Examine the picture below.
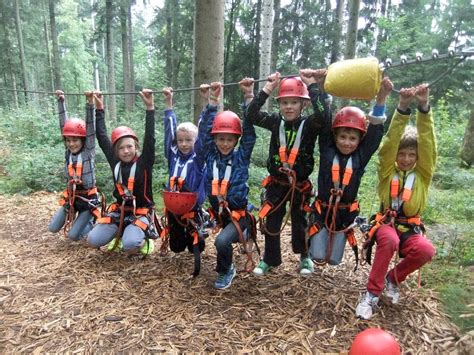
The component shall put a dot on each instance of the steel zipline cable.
(385, 67)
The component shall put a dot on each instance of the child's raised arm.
(386, 88)
(246, 85)
(89, 145)
(312, 76)
(89, 97)
(215, 93)
(147, 98)
(98, 100)
(422, 93)
(61, 109)
(168, 97)
(272, 83)
(406, 98)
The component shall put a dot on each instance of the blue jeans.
(224, 241)
(80, 227)
(103, 233)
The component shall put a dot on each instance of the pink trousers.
(416, 251)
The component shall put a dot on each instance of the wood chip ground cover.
(57, 296)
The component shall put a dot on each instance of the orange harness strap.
(288, 161)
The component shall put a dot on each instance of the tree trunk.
(125, 4)
(380, 33)
(130, 52)
(7, 54)
(256, 59)
(94, 48)
(21, 48)
(169, 11)
(467, 150)
(266, 30)
(54, 41)
(110, 61)
(233, 15)
(351, 38)
(295, 31)
(208, 58)
(275, 35)
(337, 31)
(49, 63)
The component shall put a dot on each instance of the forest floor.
(57, 296)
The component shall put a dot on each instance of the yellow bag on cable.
(354, 78)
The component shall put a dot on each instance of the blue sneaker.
(224, 280)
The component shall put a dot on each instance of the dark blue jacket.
(360, 158)
(196, 165)
(237, 194)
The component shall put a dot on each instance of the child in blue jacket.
(227, 175)
(346, 145)
(187, 172)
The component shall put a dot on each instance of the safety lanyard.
(399, 197)
(289, 161)
(336, 173)
(125, 191)
(219, 188)
(75, 174)
(177, 181)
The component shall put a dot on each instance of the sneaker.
(306, 266)
(224, 280)
(366, 306)
(148, 247)
(391, 291)
(262, 268)
(111, 244)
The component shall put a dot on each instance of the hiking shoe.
(224, 280)
(306, 266)
(148, 247)
(391, 291)
(262, 268)
(366, 306)
(110, 246)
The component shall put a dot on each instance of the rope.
(136, 93)
(385, 67)
(448, 71)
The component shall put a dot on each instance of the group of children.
(212, 160)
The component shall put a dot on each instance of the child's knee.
(133, 240)
(425, 250)
(387, 238)
(54, 227)
(220, 244)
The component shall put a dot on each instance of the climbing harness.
(151, 229)
(71, 193)
(287, 162)
(333, 206)
(219, 190)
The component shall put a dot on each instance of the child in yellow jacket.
(407, 162)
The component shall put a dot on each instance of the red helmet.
(74, 127)
(179, 202)
(374, 341)
(227, 122)
(122, 131)
(292, 87)
(350, 117)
